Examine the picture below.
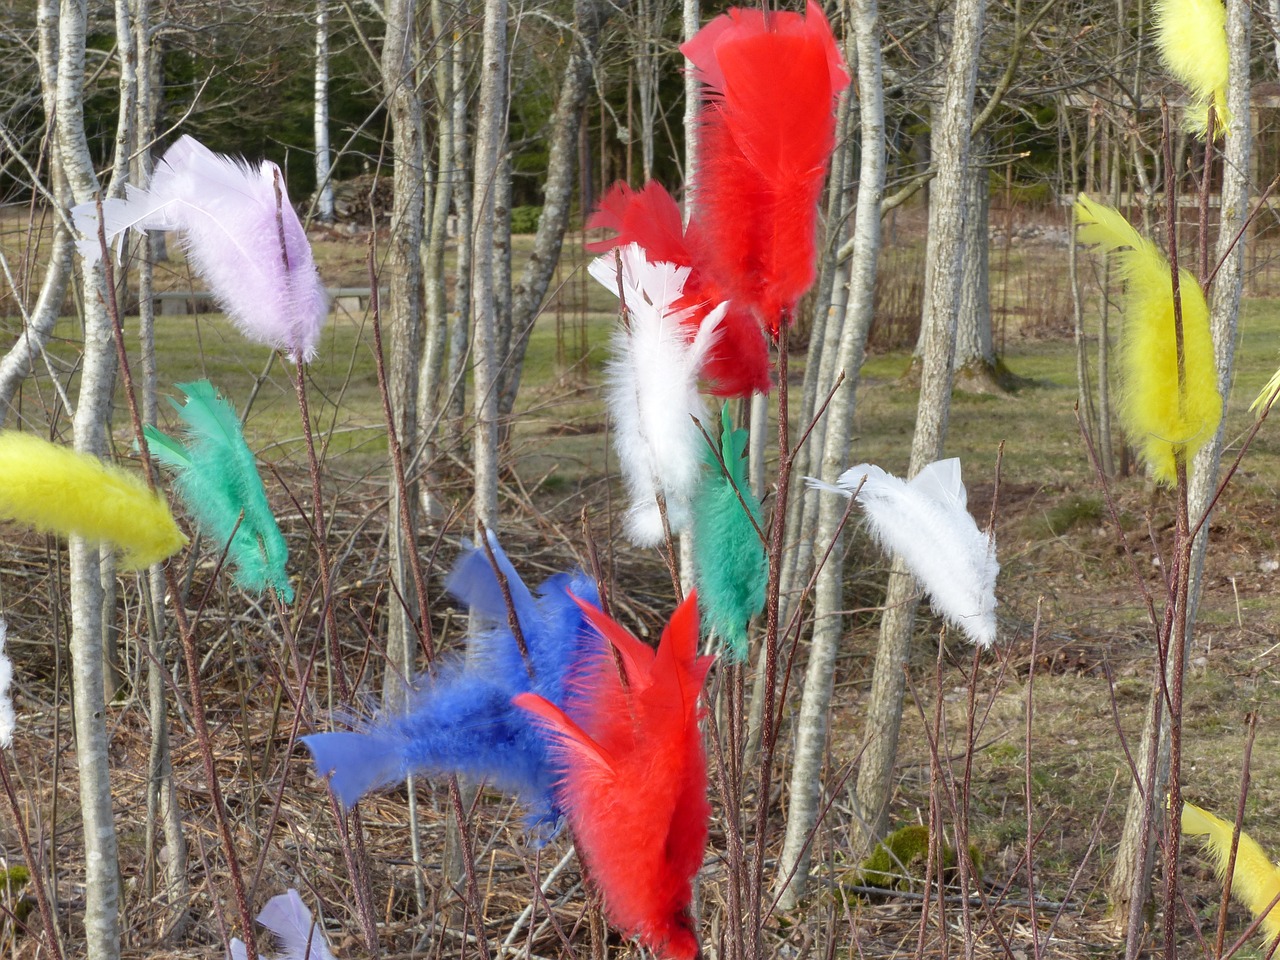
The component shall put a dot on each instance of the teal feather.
(216, 476)
(730, 566)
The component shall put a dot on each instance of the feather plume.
(768, 130)
(1164, 421)
(635, 780)
(926, 523)
(297, 937)
(56, 490)
(8, 721)
(652, 391)
(730, 566)
(1256, 880)
(217, 479)
(737, 364)
(1191, 36)
(240, 235)
(461, 719)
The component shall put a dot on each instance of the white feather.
(925, 522)
(8, 721)
(652, 391)
(296, 936)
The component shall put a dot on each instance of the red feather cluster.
(635, 779)
(768, 131)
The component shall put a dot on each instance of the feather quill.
(730, 566)
(652, 391)
(217, 479)
(1256, 880)
(1163, 420)
(634, 778)
(297, 937)
(461, 719)
(925, 521)
(737, 364)
(240, 234)
(1191, 36)
(8, 721)
(57, 490)
(768, 129)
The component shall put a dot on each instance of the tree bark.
(815, 704)
(1133, 872)
(404, 264)
(575, 87)
(944, 256)
(324, 179)
(89, 426)
(463, 201)
(491, 144)
(975, 362)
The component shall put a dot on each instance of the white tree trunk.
(102, 887)
(975, 353)
(690, 17)
(491, 140)
(1133, 871)
(811, 733)
(324, 181)
(460, 320)
(404, 264)
(944, 257)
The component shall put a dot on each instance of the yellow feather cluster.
(1256, 881)
(1192, 38)
(1162, 421)
(57, 490)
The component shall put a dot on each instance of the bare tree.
(815, 705)
(945, 252)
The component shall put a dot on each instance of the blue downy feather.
(461, 720)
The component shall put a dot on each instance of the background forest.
(879, 787)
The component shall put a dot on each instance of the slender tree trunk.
(459, 332)
(575, 87)
(811, 733)
(942, 300)
(1132, 871)
(404, 264)
(975, 354)
(690, 17)
(102, 871)
(324, 179)
(491, 144)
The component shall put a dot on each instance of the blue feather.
(461, 719)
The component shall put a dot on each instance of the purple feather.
(461, 719)
(240, 234)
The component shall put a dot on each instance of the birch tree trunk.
(575, 87)
(404, 264)
(945, 253)
(815, 704)
(324, 179)
(1131, 877)
(975, 361)
(460, 329)
(102, 871)
(491, 144)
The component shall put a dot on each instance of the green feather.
(217, 478)
(730, 566)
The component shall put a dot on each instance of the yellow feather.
(1192, 38)
(57, 490)
(1161, 422)
(1256, 881)
(1267, 392)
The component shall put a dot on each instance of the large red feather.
(738, 363)
(635, 779)
(768, 130)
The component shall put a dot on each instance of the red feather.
(635, 778)
(738, 363)
(768, 130)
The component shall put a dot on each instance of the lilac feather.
(296, 936)
(240, 235)
(461, 719)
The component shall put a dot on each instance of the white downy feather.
(652, 391)
(8, 721)
(297, 937)
(926, 522)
